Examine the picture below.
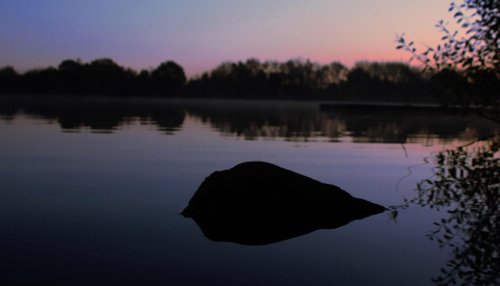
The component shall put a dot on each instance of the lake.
(92, 189)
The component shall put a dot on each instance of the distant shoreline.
(322, 101)
(251, 79)
(379, 104)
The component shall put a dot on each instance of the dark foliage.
(294, 78)
(466, 64)
(8, 79)
(101, 76)
(389, 81)
(167, 78)
(466, 73)
(307, 80)
(298, 79)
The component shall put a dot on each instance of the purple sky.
(199, 35)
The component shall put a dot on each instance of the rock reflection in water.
(256, 203)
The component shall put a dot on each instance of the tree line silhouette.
(301, 79)
(304, 79)
(101, 76)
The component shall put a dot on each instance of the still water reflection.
(466, 183)
(91, 191)
(296, 121)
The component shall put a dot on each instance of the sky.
(201, 34)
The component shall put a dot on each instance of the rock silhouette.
(256, 203)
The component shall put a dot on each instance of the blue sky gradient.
(199, 35)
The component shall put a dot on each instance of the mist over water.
(254, 119)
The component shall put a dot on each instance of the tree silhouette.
(8, 79)
(100, 76)
(466, 73)
(40, 81)
(389, 81)
(296, 78)
(71, 75)
(330, 76)
(105, 76)
(168, 77)
(304, 79)
(473, 50)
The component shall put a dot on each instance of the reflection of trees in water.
(466, 183)
(253, 120)
(365, 124)
(294, 121)
(97, 114)
(399, 124)
(8, 111)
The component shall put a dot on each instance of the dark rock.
(259, 203)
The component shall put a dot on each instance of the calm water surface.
(91, 190)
